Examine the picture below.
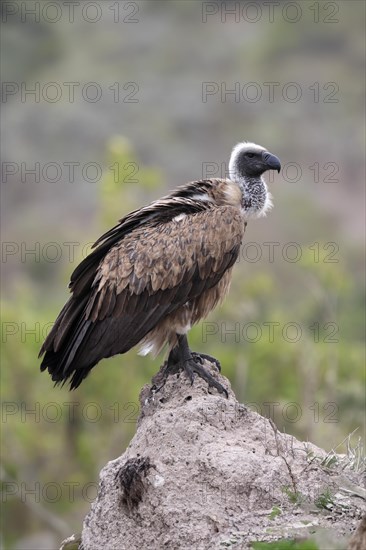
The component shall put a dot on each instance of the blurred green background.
(132, 99)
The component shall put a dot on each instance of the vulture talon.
(155, 389)
(200, 371)
(181, 357)
(159, 380)
(201, 356)
(188, 367)
(192, 368)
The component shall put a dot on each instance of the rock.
(358, 540)
(205, 472)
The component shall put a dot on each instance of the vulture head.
(249, 160)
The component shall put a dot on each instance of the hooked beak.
(271, 161)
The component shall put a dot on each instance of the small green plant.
(295, 497)
(286, 544)
(330, 461)
(325, 500)
(353, 459)
(276, 511)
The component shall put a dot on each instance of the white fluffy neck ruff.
(257, 200)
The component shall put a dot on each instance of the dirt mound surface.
(205, 472)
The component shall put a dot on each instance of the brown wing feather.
(158, 258)
(150, 273)
(182, 262)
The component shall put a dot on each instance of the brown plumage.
(161, 269)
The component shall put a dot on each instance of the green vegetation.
(286, 544)
(325, 501)
(93, 424)
(295, 497)
(290, 335)
(276, 511)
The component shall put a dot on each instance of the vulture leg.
(171, 366)
(191, 363)
(181, 358)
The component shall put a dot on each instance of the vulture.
(159, 271)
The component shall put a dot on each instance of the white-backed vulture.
(160, 270)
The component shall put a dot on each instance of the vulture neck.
(256, 199)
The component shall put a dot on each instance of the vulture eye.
(250, 155)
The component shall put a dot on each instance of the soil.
(205, 472)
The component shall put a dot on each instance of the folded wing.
(140, 273)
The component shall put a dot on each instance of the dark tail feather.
(76, 344)
(65, 340)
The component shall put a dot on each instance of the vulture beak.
(271, 161)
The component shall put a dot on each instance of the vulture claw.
(201, 356)
(191, 367)
(181, 358)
